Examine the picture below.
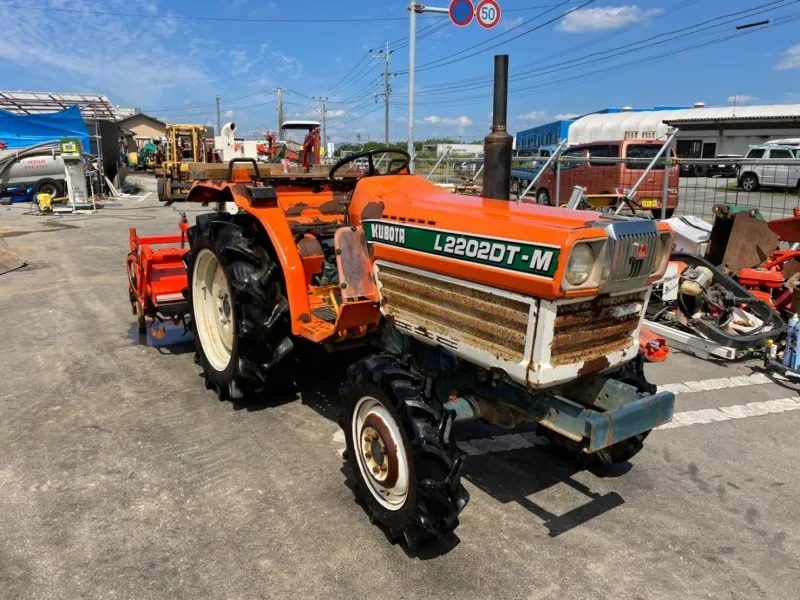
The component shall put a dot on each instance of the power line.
(626, 48)
(582, 78)
(201, 18)
(444, 60)
(196, 106)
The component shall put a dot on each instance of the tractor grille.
(442, 310)
(627, 266)
(588, 330)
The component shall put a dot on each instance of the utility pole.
(414, 8)
(324, 100)
(219, 120)
(387, 89)
(280, 114)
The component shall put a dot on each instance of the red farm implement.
(157, 278)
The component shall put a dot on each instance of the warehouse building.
(552, 133)
(704, 132)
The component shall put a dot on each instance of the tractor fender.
(271, 220)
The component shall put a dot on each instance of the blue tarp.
(21, 131)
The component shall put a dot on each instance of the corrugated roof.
(654, 124)
(93, 106)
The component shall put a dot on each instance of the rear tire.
(543, 197)
(162, 197)
(407, 469)
(238, 308)
(49, 186)
(749, 182)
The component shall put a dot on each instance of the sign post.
(488, 14)
(462, 13)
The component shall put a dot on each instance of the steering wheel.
(369, 155)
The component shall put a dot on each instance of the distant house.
(144, 128)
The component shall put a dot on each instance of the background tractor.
(476, 308)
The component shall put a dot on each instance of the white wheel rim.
(213, 311)
(380, 453)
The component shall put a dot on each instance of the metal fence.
(692, 186)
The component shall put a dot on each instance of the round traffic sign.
(488, 13)
(461, 12)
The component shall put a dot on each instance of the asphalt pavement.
(122, 477)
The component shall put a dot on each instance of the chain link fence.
(692, 186)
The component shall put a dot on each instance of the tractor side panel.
(273, 220)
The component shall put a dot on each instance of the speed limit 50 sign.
(488, 13)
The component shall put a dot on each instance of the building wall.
(144, 128)
(543, 135)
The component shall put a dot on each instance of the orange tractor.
(513, 313)
(518, 314)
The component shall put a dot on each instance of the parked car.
(601, 176)
(724, 168)
(755, 174)
(690, 170)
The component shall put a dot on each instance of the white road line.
(145, 197)
(728, 413)
(708, 385)
(517, 441)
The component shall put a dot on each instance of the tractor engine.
(510, 288)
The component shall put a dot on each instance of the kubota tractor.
(480, 309)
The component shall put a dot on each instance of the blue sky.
(173, 67)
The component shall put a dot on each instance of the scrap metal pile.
(736, 299)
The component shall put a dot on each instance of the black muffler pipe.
(498, 145)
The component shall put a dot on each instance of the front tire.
(238, 309)
(749, 182)
(162, 197)
(407, 469)
(543, 197)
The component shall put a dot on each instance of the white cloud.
(565, 116)
(507, 25)
(454, 121)
(228, 114)
(742, 99)
(605, 18)
(142, 64)
(790, 60)
(534, 115)
(317, 112)
(288, 65)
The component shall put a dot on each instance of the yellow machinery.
(185, 144)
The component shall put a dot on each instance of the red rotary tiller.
(157, 279)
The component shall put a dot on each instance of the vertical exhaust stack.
(498, 145)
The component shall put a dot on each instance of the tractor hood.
(514, 246)
(410, 193)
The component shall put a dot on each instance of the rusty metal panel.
(481, 319)
(750, 243)
(587, 331)
(352, 260)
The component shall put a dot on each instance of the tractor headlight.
(580, 265)
(664, 251)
